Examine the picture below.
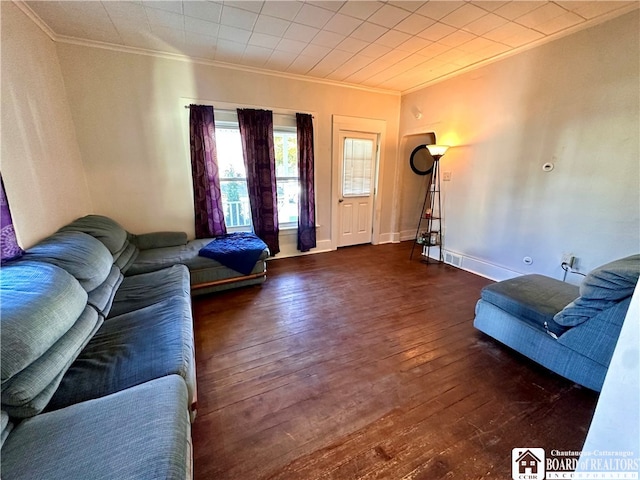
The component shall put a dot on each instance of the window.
(356, 180)
(233, 177)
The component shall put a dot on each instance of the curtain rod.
(189, 106)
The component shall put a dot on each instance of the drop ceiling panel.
(396, 45)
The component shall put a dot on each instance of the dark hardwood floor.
(362, 364)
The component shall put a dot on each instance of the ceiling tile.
(208, 11)
(292, 46)
(414, 44)
(302, 64)
(280, 60)
(327, 39)
(436, 31)
(332, 5)
(195, 25)
(313, 16)
(199, 51)
(540, 15)
(375, 50)
(171, 37)
(302, 33)
(369, 32)
(485, 24)
(388, 16)
(463, 15)
(168, 6)
(256, 56)
(562, 22)
(361, 10)
(592, 9)
(414, 24)
(393, 38)
(315, 51)
(410, 6)
(493, 50)
(287, 10)
(264, 40)
(352, 45)
(271, 25)
(457, 38)
(476, 45)
(163, 18)
(343, 24)
(126, 13)
(434, 50)
(354, 64)
(513, 10)
(249, 5)
(513, 35)
(490, 5)
(437, 10)
(234, 34)
(235, 17)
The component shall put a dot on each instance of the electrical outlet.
(569, 259)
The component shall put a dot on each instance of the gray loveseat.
(569, 330)
(98, 368)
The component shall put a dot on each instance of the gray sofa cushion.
(40, 303)
(602, 289)
(6, 425)
(28, 392)
(139, 291)
(83, 256)
(532, 298)
(159, 240)
(106, 230)
(125, 257)
(131, 349)
(139, 433)
(102, 297)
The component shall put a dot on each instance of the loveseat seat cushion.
(81, 255)
(532, 298)
(140, 291)
(602, 289)
(27, 393)
(139, 433)
(6, 425)
(40, 303)
(131, 349)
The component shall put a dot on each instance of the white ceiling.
(393, 45)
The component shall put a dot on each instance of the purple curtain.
(256, 132)
(8, 242)
(207, 200)
(306, 200)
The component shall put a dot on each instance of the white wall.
(41, 165)
(573, 102)
(132, 130)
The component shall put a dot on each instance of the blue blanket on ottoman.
(239, 251)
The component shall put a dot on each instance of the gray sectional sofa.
(570, 330)
(97, 354)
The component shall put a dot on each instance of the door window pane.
(357, 160)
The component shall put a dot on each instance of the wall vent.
(451, 259)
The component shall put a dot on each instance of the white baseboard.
(476, 266)
(290, 250)
(389, 238)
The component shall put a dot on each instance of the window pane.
(235, 201)
(229, 147)
(286, 152)
(233, 182)
(288, 201)
(356, 178)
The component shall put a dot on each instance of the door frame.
(361, 125)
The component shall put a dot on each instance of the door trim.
(362, 125)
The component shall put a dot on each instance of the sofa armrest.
(159, 240)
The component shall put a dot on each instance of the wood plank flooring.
(362, 364)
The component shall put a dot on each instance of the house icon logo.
(527, 464)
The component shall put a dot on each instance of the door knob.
(341, 200)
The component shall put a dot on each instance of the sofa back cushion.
(80, 254)
(111, 234)
(40, 303)
(603, 288)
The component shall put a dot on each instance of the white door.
(358, 152)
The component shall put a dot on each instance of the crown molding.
(24, 8)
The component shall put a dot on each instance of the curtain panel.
(207, 199)
(9, 247)
(306, 201)
(256, 132)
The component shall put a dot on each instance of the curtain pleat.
(306, 200)
(207, 199)
(256, 132)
